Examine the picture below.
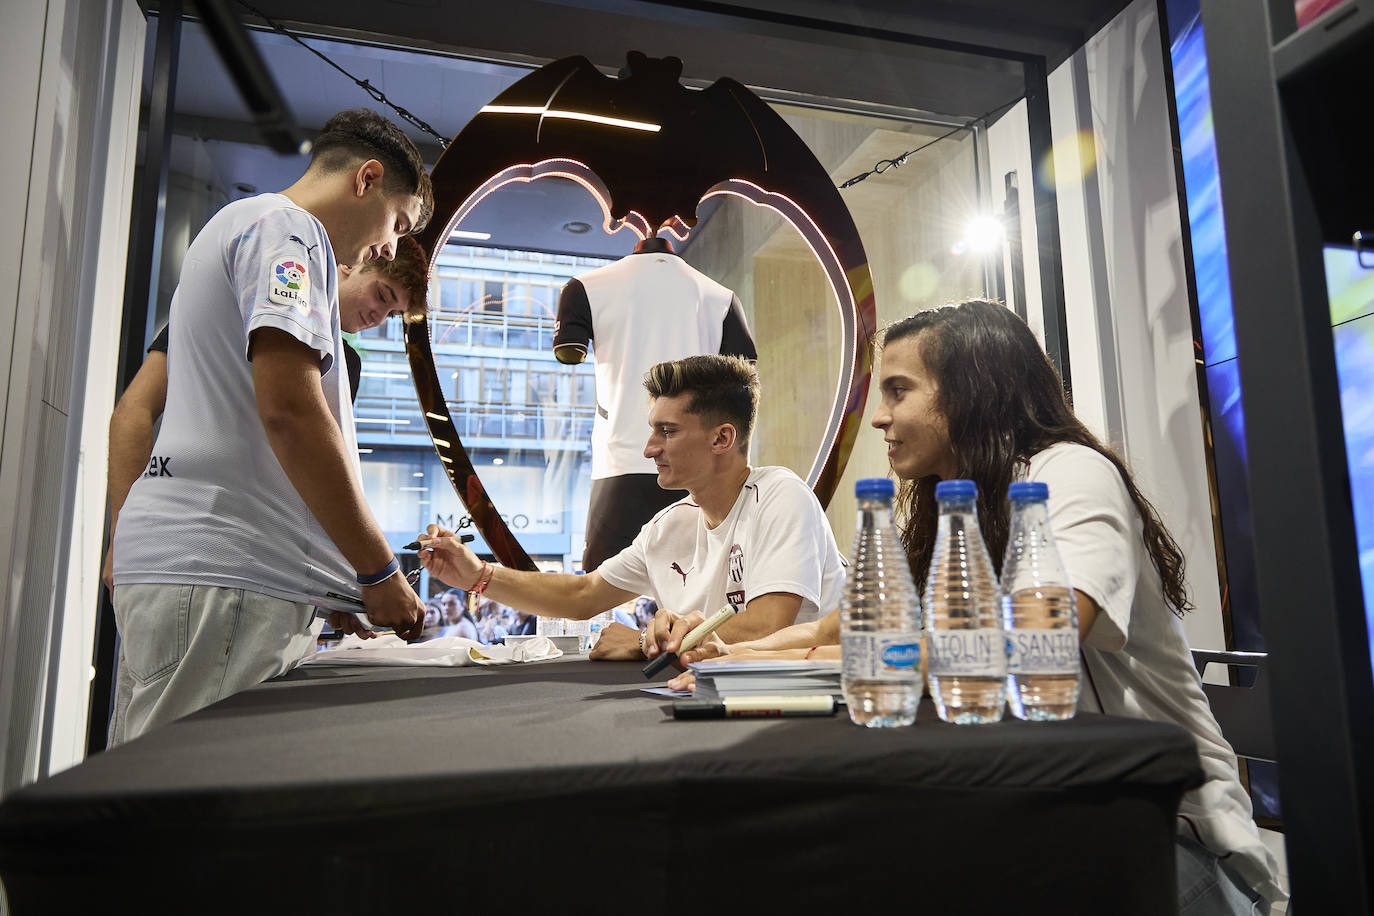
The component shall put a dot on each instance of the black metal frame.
(1311, 600)
(140, 306)
(1044, 198)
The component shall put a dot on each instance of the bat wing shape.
(650, 150)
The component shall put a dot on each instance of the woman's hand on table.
(684, 681)
(617, 643)
(449, 559)
(710, 647)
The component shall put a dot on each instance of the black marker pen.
(421, 542)
(702, 630)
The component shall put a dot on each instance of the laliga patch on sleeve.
(289, 284)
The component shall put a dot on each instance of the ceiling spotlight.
(498, 461)
(984, 233)
(577, 227)
(466, 234)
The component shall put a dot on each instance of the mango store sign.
(518, 492)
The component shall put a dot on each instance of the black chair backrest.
(1242, 712)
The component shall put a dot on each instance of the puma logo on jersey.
(308, 248)
(157, 467)
(678, 569)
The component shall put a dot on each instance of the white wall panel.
(70, 59)
(69, 704)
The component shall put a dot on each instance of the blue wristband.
(390, 570)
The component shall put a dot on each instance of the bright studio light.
(546, 112)
(984, 233)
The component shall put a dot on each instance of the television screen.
(1350, 287)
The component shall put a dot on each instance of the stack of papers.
(723, 677)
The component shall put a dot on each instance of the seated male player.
(755, 537)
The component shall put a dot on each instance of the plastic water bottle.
(968, 650)
(880, 633)
(1038, 612)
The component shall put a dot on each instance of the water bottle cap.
(958, 491)
(1028, 491)
(870, 487)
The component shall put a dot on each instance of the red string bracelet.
(483, 583)
(480, 573)
(809, 651)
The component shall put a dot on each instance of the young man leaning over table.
(755, 537)
(252, 502)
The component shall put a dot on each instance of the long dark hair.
(1003, 402)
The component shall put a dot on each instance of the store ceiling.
(861, 51)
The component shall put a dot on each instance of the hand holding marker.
(349, 604)
(419, 543)
(690, 641)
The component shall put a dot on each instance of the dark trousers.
(619, 507)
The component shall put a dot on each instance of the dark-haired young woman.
(967, 392)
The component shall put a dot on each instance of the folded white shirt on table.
(441, 652)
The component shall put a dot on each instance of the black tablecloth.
(559, 787)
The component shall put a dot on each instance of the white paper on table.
(441, 652)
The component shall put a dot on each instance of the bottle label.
(980, 652)
(881, 655)
(1038, 651)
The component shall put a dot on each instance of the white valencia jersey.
(775, 539)
(646, 309)
(214, 506)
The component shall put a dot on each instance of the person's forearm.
(310, 448)
(750, 628)
(544, 594)
(797, 636)
(131, 446)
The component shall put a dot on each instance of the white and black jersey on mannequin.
(649, 307)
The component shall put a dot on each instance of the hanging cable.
(366, 86)
(883, 165)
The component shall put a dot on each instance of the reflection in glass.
(492, 328)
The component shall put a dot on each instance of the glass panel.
(1355, 367)
(450, 298)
